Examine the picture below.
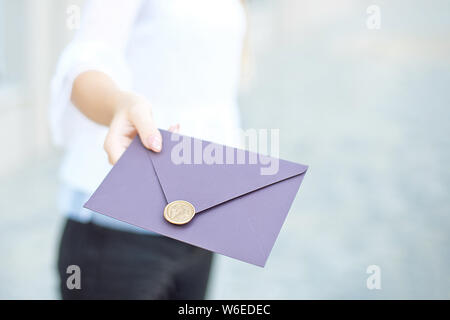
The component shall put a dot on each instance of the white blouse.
(184, 56)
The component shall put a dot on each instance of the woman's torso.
(184, 56)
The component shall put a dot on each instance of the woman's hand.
(127, 114)
(133, 116)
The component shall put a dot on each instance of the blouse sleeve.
(100, 45)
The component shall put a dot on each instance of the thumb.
(142, 119)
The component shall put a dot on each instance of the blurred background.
(364, 101)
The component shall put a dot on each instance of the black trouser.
(124, 265)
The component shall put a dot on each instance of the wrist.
(125, 100)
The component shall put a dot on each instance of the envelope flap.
(207, 185)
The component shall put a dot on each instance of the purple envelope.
(239, 211)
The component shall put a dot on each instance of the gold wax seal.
(179, 212)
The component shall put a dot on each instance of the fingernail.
(155, 142)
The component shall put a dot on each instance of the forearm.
(97, 96)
